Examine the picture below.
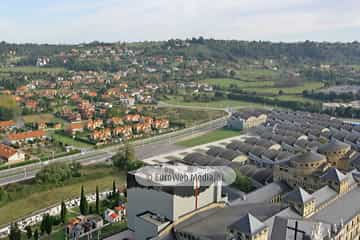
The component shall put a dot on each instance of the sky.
(79, 21)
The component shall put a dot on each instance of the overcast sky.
(76, 21)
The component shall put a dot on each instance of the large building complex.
(305, 171)
(153, 207)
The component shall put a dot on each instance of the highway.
(144, 148)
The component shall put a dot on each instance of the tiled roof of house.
(6, 151)
(5, 124)
(26, 135)
(248, 225)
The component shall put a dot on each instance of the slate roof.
(299, 195)
(248, 225)
(333, 146)
(333, 174)
(308, 157)
(212, 224)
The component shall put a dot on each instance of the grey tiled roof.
(299, 195)
(344, 208)
(333, 145)
(212, 224)
(323, 195)
(248, 225)
(333, 174)
(308, 157)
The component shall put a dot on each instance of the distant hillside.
(220, 50)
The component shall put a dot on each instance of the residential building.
(246, 119)
(10, 155)
(111, 216)
(23, 137)
(7, 125)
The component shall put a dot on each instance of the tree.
(47, 223)
(28, 232)
(114, 192)
(15, 233)
(243, 182)
(55, 173)
(63, 212)
(42, 226)
(129, 152)
(97, 204)
(84, 205)
(125, 159)
(36, 235)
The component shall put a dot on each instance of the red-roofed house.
(161, 124)
(10, 155)
(94, 124)
(142, 128)
(121, 211)
(125, 131)
(132, 118)
(5, 125)
(111, 217)
(25, 136)
(101, 135)
(73, 128)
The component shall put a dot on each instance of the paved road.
(144, 149)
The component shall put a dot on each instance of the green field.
(69, 141)
(7, 101)
(36, 118)
(178, 100)
(189, 117)
(297, 98)
(268, 87)
(33, 69)
(226, 82)
(33, 197)
(209, 137)
(287, 90)
(257, 74)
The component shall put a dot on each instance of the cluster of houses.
(77, 226)
(131, 125)
(9, 154)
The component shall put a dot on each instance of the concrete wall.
(147, 231)
(141, 200)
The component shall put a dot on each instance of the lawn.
(33, 69)
(178, 100)
(226, 82)
(69, 141)
(287, 90)
(209, 137)
(8, 101)
(189, 117)
(297, 98)
(36, 118)
(33, 197)
(257, 74)
(263, 86)
(113, 229)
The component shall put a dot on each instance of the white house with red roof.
(111, 216)
(10, 155)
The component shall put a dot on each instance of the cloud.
(132, 20)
